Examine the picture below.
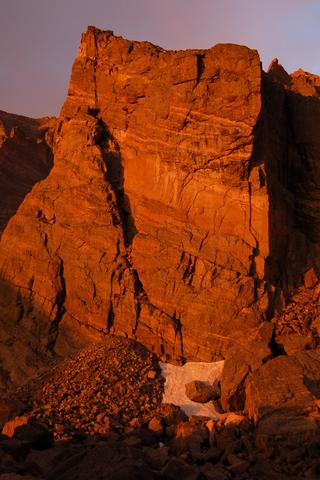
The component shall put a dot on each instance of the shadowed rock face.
(173, 212)
(25, 158)
(292, 113)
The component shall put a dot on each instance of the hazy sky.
(39, 38)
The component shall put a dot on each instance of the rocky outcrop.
(181, 209)
(25, 158)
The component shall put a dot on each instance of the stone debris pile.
(99, 415)
(105, 386)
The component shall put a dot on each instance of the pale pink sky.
(39, 38)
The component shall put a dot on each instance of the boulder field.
(99, 415)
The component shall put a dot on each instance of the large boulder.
(30, 432)
(310, 364)
(239, 363)
(279, 386)
(199, 391)
(10, 427)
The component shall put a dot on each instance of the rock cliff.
(182, 207)
(25, 158)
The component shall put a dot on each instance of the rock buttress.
(153, 222)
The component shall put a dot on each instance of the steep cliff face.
(292, 114)
(25, 158)
(171, 213)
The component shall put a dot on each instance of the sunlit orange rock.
(10, 427)
(172, 213)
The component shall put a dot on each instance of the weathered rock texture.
(182, 208)
(25, 158)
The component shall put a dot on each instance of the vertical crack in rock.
(200, 67)
(58, 308)
(95, 60)
(178, 327)
(238, 396)
(95, 82)
(110, 319)
(115, 174)
(276, 348)
(19, 304)
(111, 155)
(188, 264)
(110, 316)
(140, 296)
(255, 250)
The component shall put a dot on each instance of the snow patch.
(176, 379)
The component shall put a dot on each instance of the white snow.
(176, 379)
